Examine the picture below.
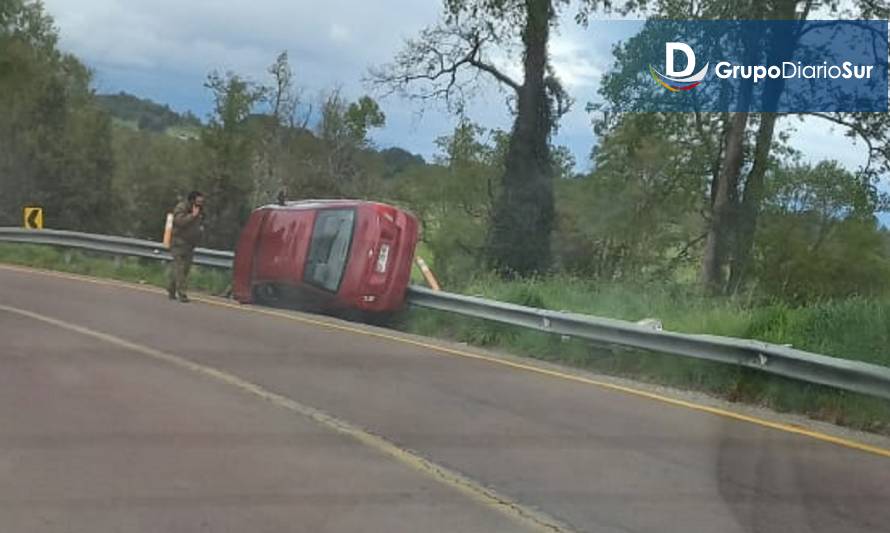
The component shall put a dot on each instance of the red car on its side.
(326, 255)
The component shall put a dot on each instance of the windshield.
(329, 249)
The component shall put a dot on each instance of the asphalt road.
(121, 411)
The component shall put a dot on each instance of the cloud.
(575, 63)
(163, 49)
(340, 33)
(182, 36)
(818, 141)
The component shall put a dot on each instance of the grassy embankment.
(855, 328)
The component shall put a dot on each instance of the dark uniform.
(187, 232)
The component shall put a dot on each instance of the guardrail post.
(428, 274)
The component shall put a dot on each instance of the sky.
(163, 50)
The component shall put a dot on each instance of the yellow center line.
(780, 426)
(534, 520)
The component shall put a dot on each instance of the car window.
(329, 249)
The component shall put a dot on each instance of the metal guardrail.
(780, 360)
(112, 245)
(843, 374)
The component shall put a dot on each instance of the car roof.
(315, 204)
(304, 205)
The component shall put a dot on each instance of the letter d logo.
(675, 80)
(670, 52)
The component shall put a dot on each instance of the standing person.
(188, 228)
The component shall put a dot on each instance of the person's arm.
(182, 218)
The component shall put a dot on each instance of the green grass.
(146, 271)
(183, 132)
(427, 255)
(125, 124)
(854, 329)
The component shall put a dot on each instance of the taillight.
(382, 259)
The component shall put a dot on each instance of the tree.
(454, 198)
(734, 223)
(151, 172)
(283, 98)
(229, 147)
(633, 215)
(745, 144)
(822, 238)
(56, 142)
(444, 63)
(397, 160)
(344, 130)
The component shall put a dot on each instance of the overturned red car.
(326, 255)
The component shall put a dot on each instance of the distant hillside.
(397, 160)
(131, 112)
(145, 114)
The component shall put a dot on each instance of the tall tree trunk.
(519, 238)
(725, 192)
(749, 210)
(719, 231)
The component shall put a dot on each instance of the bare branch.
(858, 130)
(476, 61)
(439, 65)
(498, 75)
